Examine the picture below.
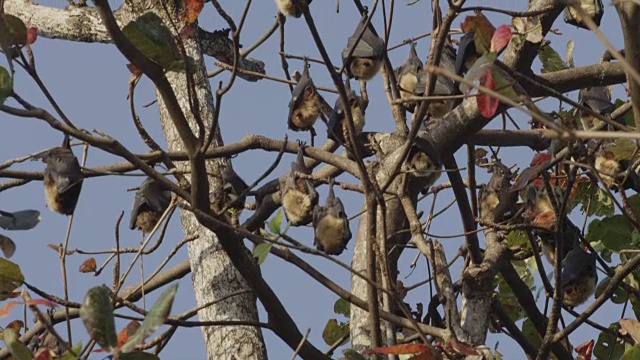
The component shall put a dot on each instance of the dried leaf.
(483, 31)
(192, 10)
(585, 350)
(32, 35)
(88, 265)
(7, 246)
(403, 349)
(570, 45)
(127, 332)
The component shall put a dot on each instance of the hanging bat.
(408, 75)
(593, 8)
(150, 203)
(611, 169)
(368, 53)
(304, 107)
(467, 54)
(299, 196)
(598, 99)
(291, 7)
(496, 202)
(579, 277)
(444, 85)
(62, 178)
(337, 127)
(423, 160)
(231, 192)
(331, 225)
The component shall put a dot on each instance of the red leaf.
(402, 349)
(192, 10)
(540, 159)
(44, 302)
(487, 104)
(32, 35)
(585, 350)
(88, 265)
(500, 38)
(43, 354)
(134, 70)
(461, 348)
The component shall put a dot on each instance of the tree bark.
(212, 273)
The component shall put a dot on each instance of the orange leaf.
(6, 308)
(402, 349)
(129, 330)
(192, 10)
(461, 348)
(545, 220)
(45, 302)
(540, 158)
(88, 265)
(483, 28)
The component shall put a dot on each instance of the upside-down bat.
(62, 178)
(331, 225)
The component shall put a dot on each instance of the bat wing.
(576, 263)
(333, 128)
(467, 48)
(337, 210)
(596, 99)
(155, 196)
(369, 46)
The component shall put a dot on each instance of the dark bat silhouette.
(331, 225)
(444, 85)
(231, 192)
(408, 76)
(304, 107)
(62, 178)
(149, 204)
(366, 59)
(579, 277)
(299, 196)
(423, 160)
(336, 127)
(467, 53)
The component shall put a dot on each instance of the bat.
(444, 85)
(598, 99)
(467, 53)
(593, 8)
(336, 127)
(304, 107)
(331, 225)
(231, 192)
(408, 75)
(496, 202)
(292, 7)
(368, 53)
(610, 169)
(299, 196)
(149, 204)
(62, 178)
(423, 159)
(579, 277)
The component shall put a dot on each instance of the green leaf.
(17, 30)
(10, 278)
(478, 70)
(509, 300)
(342, 307)
(632, 353)
(619, 295)
(530, 333)
(6, 85)
(138, 355)
(261, 251)
(154, 319)
(16, 348)
(628, 117)
(504, 83)
(614, 232)
(518, 238)
(609, 346)
(149, 34)
(276, 223)
(622, 149)
(333, 332)
(550, 59)
(77, 349)
(96, 313)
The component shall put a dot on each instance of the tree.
(576, 141)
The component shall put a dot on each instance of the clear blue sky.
(90, 83)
